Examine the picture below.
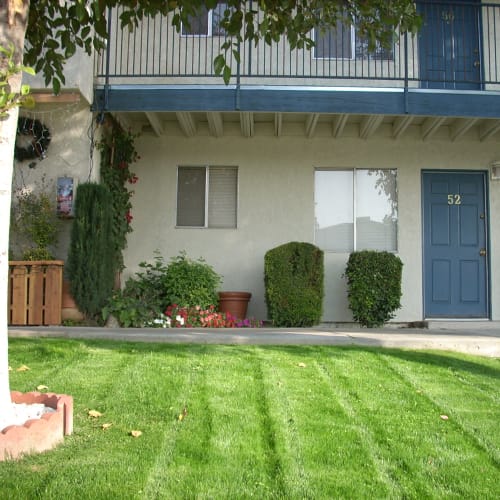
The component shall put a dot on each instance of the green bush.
(34, 224)
(294, 276)
(91, 266)
(143, 299)
(190, 283)
(374, 286)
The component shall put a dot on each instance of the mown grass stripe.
(424, 452)
(381, 438)
(295, 482)
(316, 436)
(268, 429)
(168, 476)
(327, 372)
(458, 392)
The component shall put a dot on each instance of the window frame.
(328, 32)
(354, 198)
(359, 51)
(207, 198)
(210, 25)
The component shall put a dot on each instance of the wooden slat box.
(35, 292)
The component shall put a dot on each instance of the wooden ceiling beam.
(187, 123)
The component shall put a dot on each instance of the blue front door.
(449, 44)
(455, 245)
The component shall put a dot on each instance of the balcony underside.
(449, 114)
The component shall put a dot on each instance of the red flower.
(123, 165)
(133, 179)
(129, 217)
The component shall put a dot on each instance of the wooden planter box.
(35, 292)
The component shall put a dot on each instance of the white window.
(343, 42)
(355, 209)
(206, 22)
(207, 197)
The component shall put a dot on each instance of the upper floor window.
(207, 196)
(206, 22)
(343, 42)
(355, 209)
(334, 43)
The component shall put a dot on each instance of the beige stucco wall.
(78, 73)
(68, 155)
(276, 204)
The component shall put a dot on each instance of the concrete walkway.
(481, 339)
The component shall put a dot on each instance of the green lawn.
(262, 422)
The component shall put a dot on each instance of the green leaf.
(28, 102)
(70, 50)
(29, 70)
(80, 10)
(56, 86)
(219, 63)
(226, 74)
(25, 89)
(52, 44)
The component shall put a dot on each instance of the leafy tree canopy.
(57, 27)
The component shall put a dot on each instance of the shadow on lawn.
(446, 359)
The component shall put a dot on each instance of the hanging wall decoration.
(65, 196)
(32, 140)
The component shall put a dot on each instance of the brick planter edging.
(38, 434)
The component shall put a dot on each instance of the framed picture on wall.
(66, 188)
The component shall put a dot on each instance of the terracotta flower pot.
(234, 303)
(69, 307)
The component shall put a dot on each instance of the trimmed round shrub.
(294, 277)
(374, 286)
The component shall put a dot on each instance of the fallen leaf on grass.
(23, 368)
(105, 426)
(135, 434)
(183, 414)
(443, 417)
(302, 365)
(95, 413)
(41, 387)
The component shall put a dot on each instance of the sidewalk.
(468, 338)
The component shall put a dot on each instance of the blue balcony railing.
(458, 47)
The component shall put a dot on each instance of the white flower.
(164, 322)
(180, 320)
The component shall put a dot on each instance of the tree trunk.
(13, 20)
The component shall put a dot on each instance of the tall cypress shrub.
(90, 265)
(294, 277)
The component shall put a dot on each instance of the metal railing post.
(108, 52)
(406, 73)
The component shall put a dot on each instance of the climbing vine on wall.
(117, 154)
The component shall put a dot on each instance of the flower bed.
(197, 317)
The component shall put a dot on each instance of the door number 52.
(454, 199)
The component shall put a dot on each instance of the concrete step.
(446, 324)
